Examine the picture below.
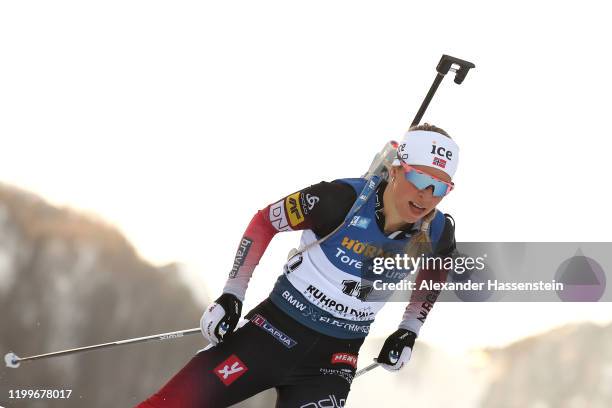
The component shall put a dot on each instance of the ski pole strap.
(363, 197)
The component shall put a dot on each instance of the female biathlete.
(304, 338)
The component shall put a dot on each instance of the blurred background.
(139, 138)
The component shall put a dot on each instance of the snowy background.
(175, 122)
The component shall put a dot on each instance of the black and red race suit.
(304, 339)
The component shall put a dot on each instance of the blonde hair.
(420, 243)
(431, 128)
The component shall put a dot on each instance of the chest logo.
(360, 222)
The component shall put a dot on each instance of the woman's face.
(411, 203)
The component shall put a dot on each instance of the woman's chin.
(409, 218)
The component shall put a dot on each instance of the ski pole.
(366, 369)
(13, 361)
(447, 63)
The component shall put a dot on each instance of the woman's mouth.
(415, 208)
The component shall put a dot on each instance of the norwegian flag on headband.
(439, 162)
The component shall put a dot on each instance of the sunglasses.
(423, 180)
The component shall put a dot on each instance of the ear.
(393, 172)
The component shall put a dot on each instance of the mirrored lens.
(421, 181)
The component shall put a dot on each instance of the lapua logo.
(441, 151)
(266, 326)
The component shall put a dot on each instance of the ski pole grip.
(446, 62)
(11, 360)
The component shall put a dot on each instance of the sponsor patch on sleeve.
(294, 209)
(278, 217)
(308, 202)
(241, 254)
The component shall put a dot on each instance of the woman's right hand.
(220, 319)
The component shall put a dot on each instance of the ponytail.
(420, 243)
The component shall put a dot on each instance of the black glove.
(220, 319)
(397, 350)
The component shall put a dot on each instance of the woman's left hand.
(397, 350)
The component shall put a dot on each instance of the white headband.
(427, 148)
